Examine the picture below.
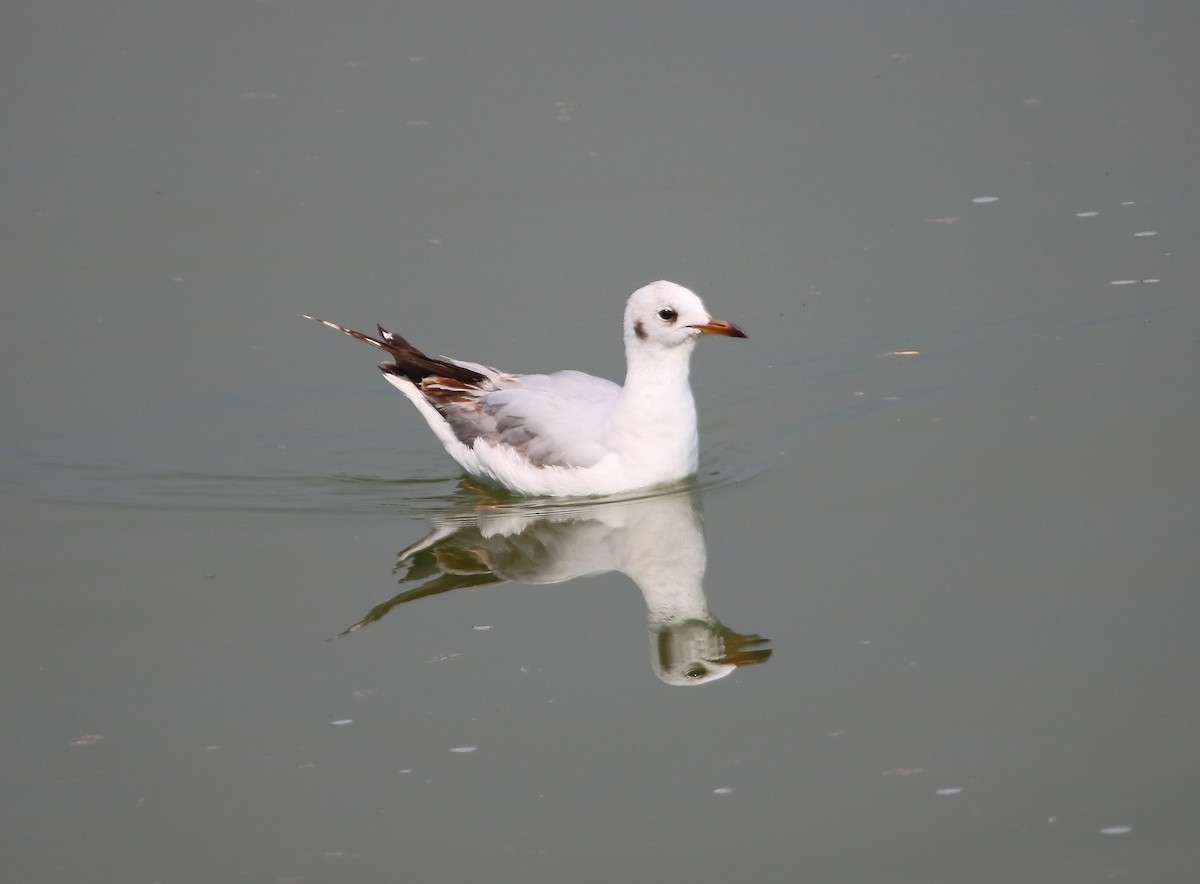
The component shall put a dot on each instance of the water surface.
(940, 552)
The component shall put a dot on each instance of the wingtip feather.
(366, 339)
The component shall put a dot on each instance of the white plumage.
(569, 434)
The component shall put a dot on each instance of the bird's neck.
(655, 414)
(657, 381)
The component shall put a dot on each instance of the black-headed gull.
(568, 434)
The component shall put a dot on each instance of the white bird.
(568, 434)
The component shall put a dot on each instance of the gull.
(568, 434)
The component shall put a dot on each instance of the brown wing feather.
(409, 362)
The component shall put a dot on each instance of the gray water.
(928, 613)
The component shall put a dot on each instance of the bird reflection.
(655, 541)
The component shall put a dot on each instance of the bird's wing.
(560, 419)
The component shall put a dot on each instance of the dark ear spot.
(639, 330)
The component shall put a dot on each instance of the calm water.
(927, 614)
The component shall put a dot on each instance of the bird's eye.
(666, 314)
